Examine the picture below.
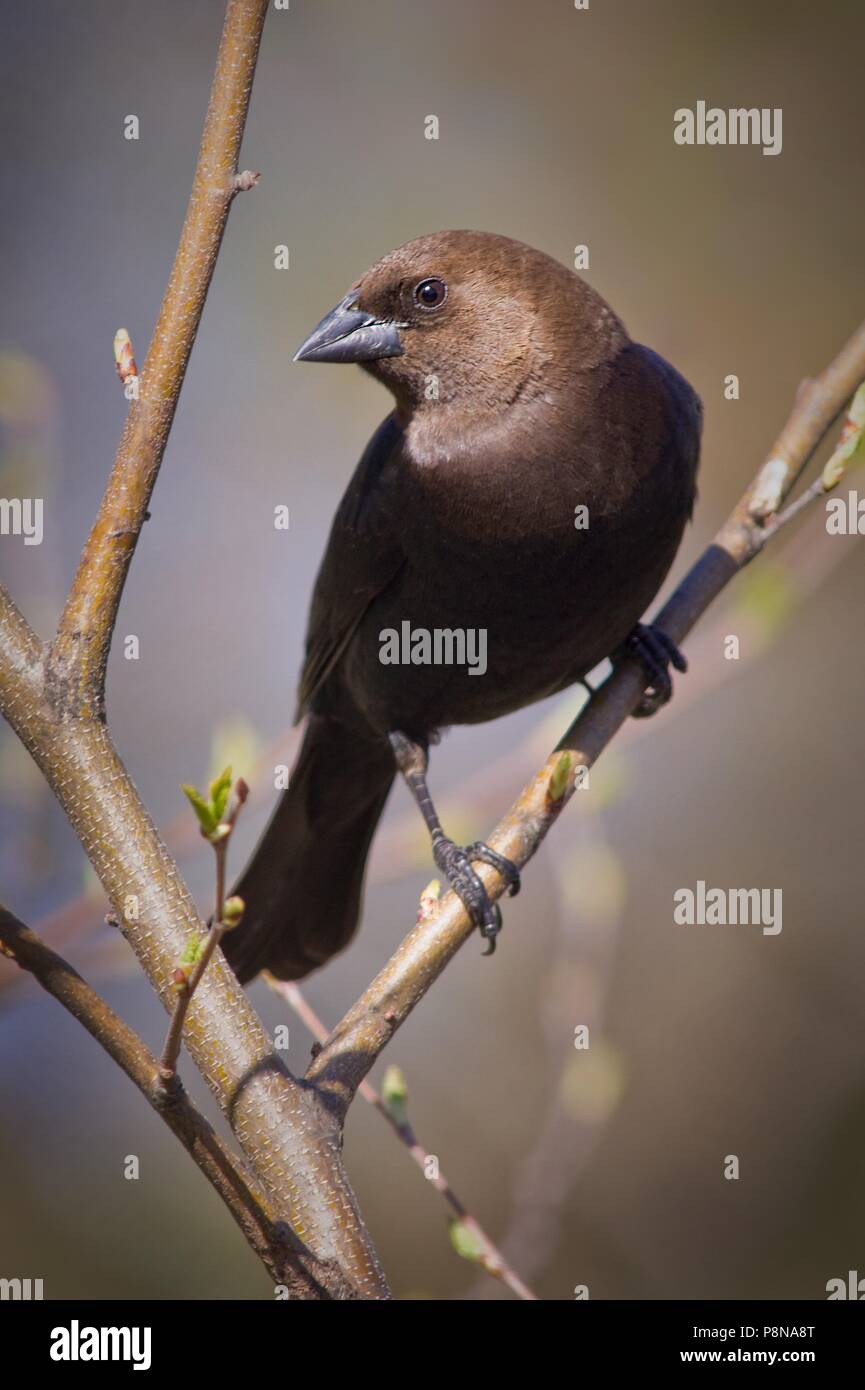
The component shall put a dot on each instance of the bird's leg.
(656, 652)
(454, 861)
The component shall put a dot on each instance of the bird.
(532, 484)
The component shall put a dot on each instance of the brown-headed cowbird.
(517, 512)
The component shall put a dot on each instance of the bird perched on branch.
(531, 485)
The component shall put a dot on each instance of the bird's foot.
(656, 652)
(506, 867)
(456, 863)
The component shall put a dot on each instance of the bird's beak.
(348, 334)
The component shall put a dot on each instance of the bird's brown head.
(467, 317)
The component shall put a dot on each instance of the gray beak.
(348, 334)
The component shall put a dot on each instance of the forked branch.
(53, 697)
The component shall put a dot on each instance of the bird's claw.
(508, 870)
(490, 930)
(656, 652)
(455, 863)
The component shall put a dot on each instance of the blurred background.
(603, 1167)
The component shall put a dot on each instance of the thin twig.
(775, 523)
(491, 1257)
(370, 1023)
(186, 987)
(187, 981)
(817, 403)
(850, 441)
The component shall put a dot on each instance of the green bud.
(394, 1094)
(558, 784)
(466, 1242)
(232, 912)
(192, 951)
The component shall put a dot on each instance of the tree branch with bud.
(216, 827)
(53, 696)
(468, 1236)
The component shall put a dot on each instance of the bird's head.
(469, 317)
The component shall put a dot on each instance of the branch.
(247, 1202)
(369, 1025)
(54, 697)
(484, 1251)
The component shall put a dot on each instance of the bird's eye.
(431, 293)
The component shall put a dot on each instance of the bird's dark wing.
(363, 555)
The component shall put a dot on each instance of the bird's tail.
(302, 888)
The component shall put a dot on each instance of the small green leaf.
(466, 1243)
(203, 809)
(219, 791)
(559, 780)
